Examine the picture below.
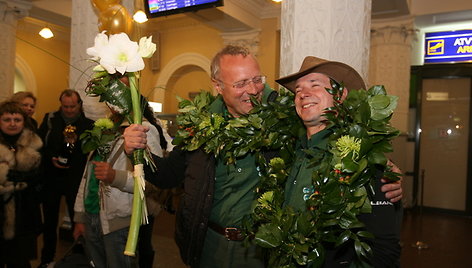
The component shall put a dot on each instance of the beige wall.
(45, 58)
(189, 79)
(269, 56)
(178, 35)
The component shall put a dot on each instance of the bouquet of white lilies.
(116, 82)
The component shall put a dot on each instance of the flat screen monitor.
(157, 8)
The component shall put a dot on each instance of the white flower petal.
(118, 53)
(101, 41)
(146, 47)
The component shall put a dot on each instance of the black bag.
(75, 257)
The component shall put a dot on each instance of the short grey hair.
(227, 50)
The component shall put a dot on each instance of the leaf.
(348, 165)
(343, 238)
(378, 112)
(268, 236)
(88, 147)
(376, 157)
(118, 96)
(377, 90)
(238, 122)
(379, 102)
(304, 224)
(365, 234)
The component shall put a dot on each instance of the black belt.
(231, 233)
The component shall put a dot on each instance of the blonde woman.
(27, 102)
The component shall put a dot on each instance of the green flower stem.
(138, 156)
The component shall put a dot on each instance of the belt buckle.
(232, 233)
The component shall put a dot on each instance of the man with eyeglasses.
(217, 196)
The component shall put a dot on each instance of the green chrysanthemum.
(265, 200)
(104, 123)
(347, 144)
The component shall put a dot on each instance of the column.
(336, 30)
(84, 28)
(10, 12)
(390, 63)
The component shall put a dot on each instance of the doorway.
(443, 137)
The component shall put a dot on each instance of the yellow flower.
(104, 123)
(347, 144)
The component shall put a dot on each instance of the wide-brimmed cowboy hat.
(340, 72)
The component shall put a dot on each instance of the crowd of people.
(41, 165)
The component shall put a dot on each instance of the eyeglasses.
(257, 80)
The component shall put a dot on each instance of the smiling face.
(311, 98)
(235, 68)
(11, 124)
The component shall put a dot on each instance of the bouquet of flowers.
(99, 138)
(115, 81)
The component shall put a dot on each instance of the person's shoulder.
(30, 138)
(54, 115)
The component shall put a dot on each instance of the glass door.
(444, 142)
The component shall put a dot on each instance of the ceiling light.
(140, 16)
(277, 1)
(46, 33)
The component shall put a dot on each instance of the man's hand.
(393, 190)
(135, 138)
(104, 171)
(79, 229)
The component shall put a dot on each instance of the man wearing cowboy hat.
(311, 99)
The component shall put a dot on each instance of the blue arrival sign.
(447, 47)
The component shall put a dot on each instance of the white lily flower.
(101, 41)
(121, 55)
(146, 47)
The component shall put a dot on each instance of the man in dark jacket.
(63, 163)
(216, 196)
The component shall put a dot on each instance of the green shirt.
(234, 184)
(299, 186)
(92, 200)
(234, 191)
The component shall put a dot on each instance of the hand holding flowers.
(115, 81)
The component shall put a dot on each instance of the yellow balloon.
(115, 19)
(102, 5)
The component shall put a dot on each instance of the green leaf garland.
(269, 126)
(361, 135)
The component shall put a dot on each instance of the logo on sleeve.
(381, 203)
